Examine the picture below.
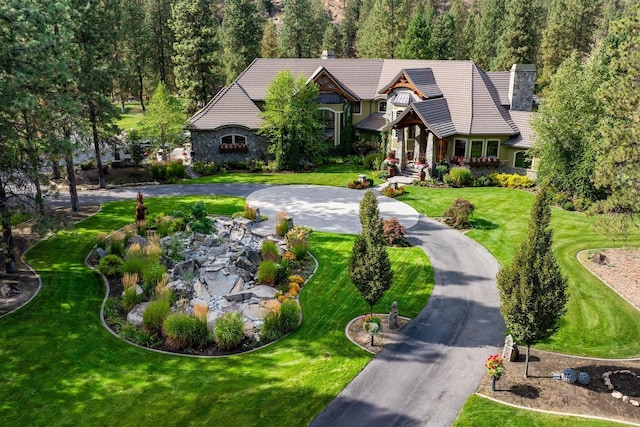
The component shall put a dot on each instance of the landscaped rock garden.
(208, 286)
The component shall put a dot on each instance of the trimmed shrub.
(271, 330)
(390, 192)
(457, 215)
(181, 330)
(289, 316)
(154, 315)
(111, 265)
(483, 181)
(269, 251)
(511, 180)
(228, 331)
(267, 271)
(460, 176)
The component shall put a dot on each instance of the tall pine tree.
(533, 292)
(416, 43)
(382, 29)
(240, 36)
(302, 29)
(519, 42)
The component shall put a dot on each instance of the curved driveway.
(426, 377)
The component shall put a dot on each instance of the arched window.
(233, 144)
(233, 139)
(521, 160)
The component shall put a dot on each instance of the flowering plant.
(495, 366)
(372, 324)
(390, 162)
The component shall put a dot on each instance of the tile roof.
(374, 122)
(231, 105)
(500, 80)
(526, 137)
(473, 97)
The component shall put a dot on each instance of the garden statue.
(393, 316)
(141, 211)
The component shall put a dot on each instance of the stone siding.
(205, 145)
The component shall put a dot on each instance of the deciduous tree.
(165, 120)
(533, 292)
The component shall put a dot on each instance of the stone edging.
(616, 394)
(346, 330)
(544, 411)
(170, 353)
(601, 279)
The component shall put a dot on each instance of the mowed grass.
(598, 323)
(61, 367)
(131, 117)
(333, 175)
(479, 411)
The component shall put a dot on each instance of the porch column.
(430, 151)
(400, 154)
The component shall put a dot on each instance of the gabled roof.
(434, 113)
(231, 105)
(420, 80)
(474, 99)
(525, 139)
(328, 83)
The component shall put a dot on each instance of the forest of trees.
(68, 67)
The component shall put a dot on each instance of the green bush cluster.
(168, 171)
(372, 161)
(278, 323)
(460, 176)
(228, 331)
(199, 221)
(111, 265)
(205, 168)
(511, 180)
(181, 330)
(267, 271)
(154, 315)
(132, 333)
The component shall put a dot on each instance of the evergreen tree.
(570, 27)
(469, 34)
(303, 26)
(331, 40)
(349, 27)
(416, 42)
(134, 40)
(566, 128)
(382, 29)
(618, 150)
(443, 37)
(290, 124)
(533, 292)
(194, 26)
(460, 15)
(165, 120)
(269, 43)
(240, 36)
(490, 28)
(519, 42)
(369, 264)
(157, 15)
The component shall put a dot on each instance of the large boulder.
(135, 315)
(219, 283)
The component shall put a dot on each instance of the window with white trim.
(476, 148)
(521, 160)
(233, 139)
(460, 148)
(492, 148)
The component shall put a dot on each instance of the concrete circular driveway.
(322, 208)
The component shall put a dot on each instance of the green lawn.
(598, 322)
(61, 367)
(333, 175)
(131, 117)
(479, 411)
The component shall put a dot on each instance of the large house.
(429, 110)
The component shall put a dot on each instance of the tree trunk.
(526, 362)
(55, 169)
(96, 146)
(7, 234)
(141, 93)
(71, 178)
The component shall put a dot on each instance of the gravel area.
(618, 268)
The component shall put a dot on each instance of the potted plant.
(422, 166)
(390, 163)
(495, 369)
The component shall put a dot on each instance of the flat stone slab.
(219, 283)
(262, 292)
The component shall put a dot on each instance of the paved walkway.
(425, 379)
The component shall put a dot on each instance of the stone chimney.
(521, 85)
(328, 54)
